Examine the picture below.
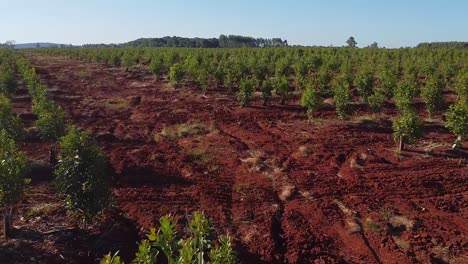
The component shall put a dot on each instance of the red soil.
(288, 191)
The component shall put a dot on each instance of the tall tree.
(351, 42)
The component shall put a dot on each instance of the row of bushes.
(81, 177)
(51, 118)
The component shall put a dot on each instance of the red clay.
(288, 191)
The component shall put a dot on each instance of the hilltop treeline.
(230, 41)
(447, 44)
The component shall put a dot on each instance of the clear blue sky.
(391, 23)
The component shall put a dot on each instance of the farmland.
(230, 132)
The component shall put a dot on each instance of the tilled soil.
(286, 190)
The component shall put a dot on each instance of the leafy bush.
(176, 73)
(389, 82)
(365, 83)
(404, 94)
(246, 91)
(432, 95)
(197, 248)
(9, 122)
(310, 100)
(267, 89)
(377, 100)
(342, 96)
(13, 168)
(457, 120)
(81, 174)
(51, 119)
(282, 88)
(406, 128)
(462, 87)
(156, 66)
(7, 79)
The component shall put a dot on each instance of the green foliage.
(351, 42)
(7, 78)
(377, 100)
(176, 73)
(267, 91)
(9, 121)
(457, 119)
(113, 259)
(246, 91)
(282, 88)
(365, 83)
(81, 174)
(462, 87)
(13, 168)
(51, 119)
(196, 248)
(342, 96)
(310, 100)
(203, 80)
(389, 82)
(156, 66)
(407, 127)
(405, 93)
(432, 95)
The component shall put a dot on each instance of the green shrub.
(462, 86)
(50, 119)
(246, 91)
(342, 96)
(432, 95)
(196, 248)
(388, 79)
(13, 168)
(282, 88)
(365, 83)
(406, 128)
(7, 79)
(9, 122)
(156, 66)
(310, 100)
(377, 100)
(457, 121)
(267, 90)
(176, 73)
(81, 174)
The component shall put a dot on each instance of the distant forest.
(230, 41)
(448, 44)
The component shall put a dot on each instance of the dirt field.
(288, 191)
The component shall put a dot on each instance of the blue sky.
(391, 23)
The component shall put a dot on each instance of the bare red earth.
(287, 191)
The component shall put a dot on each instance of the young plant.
(457, 121)
(176, 73)
(156, 66)
(365, 83)
(406, 128)
(267, 90)
(282, 88)
(310, 100)
(9, 122)
(432, 95)
(13, 168)
(51, 119)
(377, 100)
(197, 248)
(246, 91)
(342, 96)
(81, 175)
(462, 86)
